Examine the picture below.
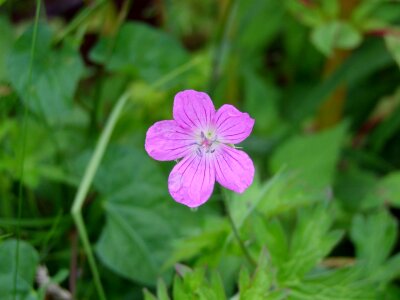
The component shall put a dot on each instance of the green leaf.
(388, 271)
(148, 295)
(162, 291)
(54, 78)
(312, 157)
(28, 260)
(262, 285)
(385, 191)
(344, 283)
(374, 236)
(194, 284)
(137, 233)
(393, 45)
(335, 35)
(140, 50)
(272, 233)
(312, 240)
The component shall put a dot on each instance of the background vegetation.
(80, 83)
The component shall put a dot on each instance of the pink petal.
(166, 140)
(232, 125)
(233, 168)
(193, 109)
(191, 181)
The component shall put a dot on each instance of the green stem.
(98, 154)
(237, 236)
(23, 148)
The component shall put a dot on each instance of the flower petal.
(166, 140)
(191, 181)
(233, 168)
(193, 109)
(232, 125)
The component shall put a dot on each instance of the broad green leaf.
(140, 50)
(312, 157)
(28, 260)
(393, 45)
(137, 233)
(335, 35)
(49, 91)
(374, 236)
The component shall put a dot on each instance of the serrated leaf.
(374, 236)
(341, 284)
(312, 240)
(262, 285)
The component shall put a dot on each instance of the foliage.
(321, 79)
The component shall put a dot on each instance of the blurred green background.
(320, 77)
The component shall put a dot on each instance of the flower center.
(207, 142)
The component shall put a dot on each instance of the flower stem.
(237, 236)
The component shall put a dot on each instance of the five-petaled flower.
(203, 138)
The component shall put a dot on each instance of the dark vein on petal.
(234, 158)
(183, 108)
(195, 172)
(220, 170)
(195, 113)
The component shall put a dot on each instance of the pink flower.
(203, 138)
